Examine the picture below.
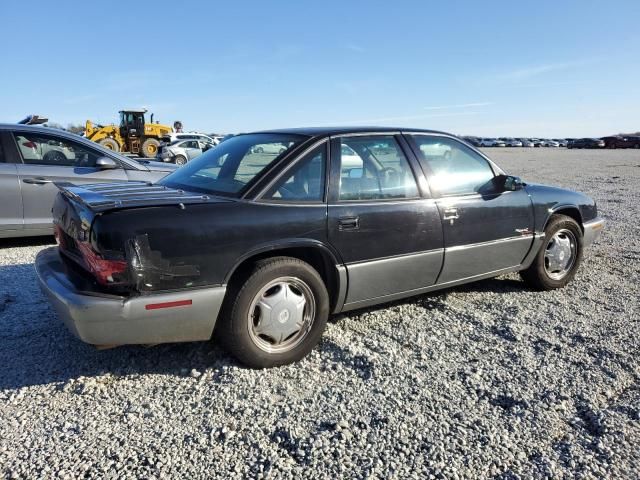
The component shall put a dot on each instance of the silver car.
(32, 158)
(182, 151)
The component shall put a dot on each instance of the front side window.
(305, 181)
(230, 167)
(40, 149)
(454, 168)
(374, 168)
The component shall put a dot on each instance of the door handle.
(37, 181)
(348, 223)
(450, 214)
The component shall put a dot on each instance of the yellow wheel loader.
(133, 135)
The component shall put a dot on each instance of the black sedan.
(586, 143)
(265, 246)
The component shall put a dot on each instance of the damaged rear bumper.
(101, 319)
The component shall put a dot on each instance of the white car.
(182, 151)
(561, 142)
(174, 136)
(511, 142)
(526, 142)
(270, 148)
(491, 142)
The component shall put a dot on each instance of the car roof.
(328, 131)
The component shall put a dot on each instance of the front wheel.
(558, 260)
(277, 315)
(150, 148)
(180, 160)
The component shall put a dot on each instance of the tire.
(283, 280)
(637, 145)
(150, 148)
(544, 274)
(110, 143)
(180, 160)
(259, 150)
(55, 157)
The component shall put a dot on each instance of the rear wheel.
(277, 315)
(110, 143)
(180, 160)
(150, 147)
(558, 260)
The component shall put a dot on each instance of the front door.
(48, 159)
(388, 235)
(486, 229)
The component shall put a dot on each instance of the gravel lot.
(487, 380)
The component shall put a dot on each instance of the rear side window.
(453, 168)
(38, 149)
(374, 168)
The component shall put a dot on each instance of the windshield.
(229, 167)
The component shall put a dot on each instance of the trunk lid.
(77, 206)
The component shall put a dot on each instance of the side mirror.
(106, 163)
(511, 183)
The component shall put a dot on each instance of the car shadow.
(36, 348)
(437, 299)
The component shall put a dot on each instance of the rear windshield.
(228, 168)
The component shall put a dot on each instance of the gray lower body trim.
(467, 261)
(432, 288)
(113, 320)
(592, 230)
(385, 276)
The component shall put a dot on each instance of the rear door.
(485, 229)
(45, 159)
(10, 197)
(388, 234)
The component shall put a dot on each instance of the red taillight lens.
(106, 272)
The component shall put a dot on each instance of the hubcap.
(560, 254)
(281, 314)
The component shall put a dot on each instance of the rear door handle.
(450, 214)
(348, 223)
(37, 181)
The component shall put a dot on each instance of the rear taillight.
(106, 272)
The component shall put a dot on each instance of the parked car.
(174, 137)
(526, 142)
(182, 151)
(586, 143)
(562, 142)
(32, 158)
(475, 141)
(265, 252)
(270, 148)
(491, 142)
(511, 142)
(620, 141)
(550, 143)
